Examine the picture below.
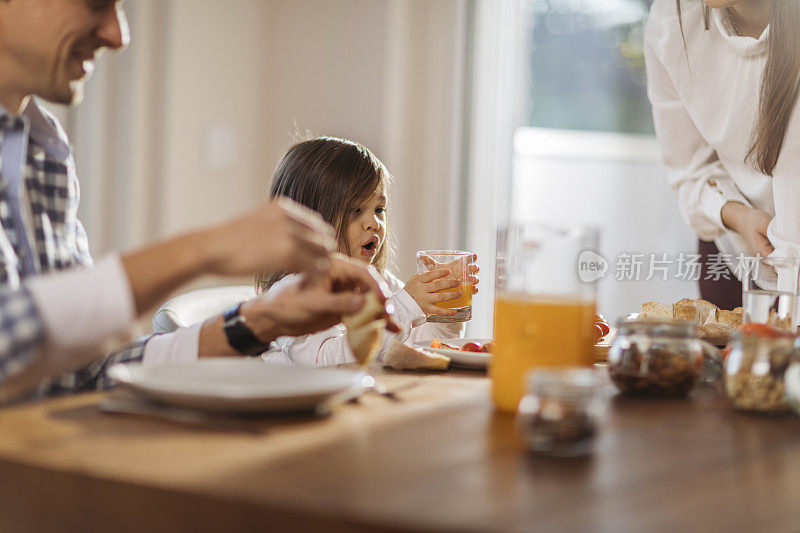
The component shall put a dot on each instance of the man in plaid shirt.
(57, 310)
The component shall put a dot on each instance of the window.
(586, 65)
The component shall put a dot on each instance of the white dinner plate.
(236, 385)
(457, 357)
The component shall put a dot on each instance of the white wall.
(614, 182)
(186, 126)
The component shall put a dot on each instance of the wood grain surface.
(439, 459)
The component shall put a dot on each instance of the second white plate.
(457, 357)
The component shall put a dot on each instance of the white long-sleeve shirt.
(704, 114)
(329, 347)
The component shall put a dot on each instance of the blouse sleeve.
(784, 230)
(695, 172)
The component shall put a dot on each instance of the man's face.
(48, 47)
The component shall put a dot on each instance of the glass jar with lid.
(755, 370)
(655, 357)
(558, 414)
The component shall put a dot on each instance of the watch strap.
(239, 335)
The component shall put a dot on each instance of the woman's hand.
(751, 224)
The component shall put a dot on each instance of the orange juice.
(465, 300)
(537, 331)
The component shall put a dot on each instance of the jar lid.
(657, 327)
(565, 382)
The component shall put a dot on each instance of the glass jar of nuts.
(661, 358)
(558, 415)
(755, 369)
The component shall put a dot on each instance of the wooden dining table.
(439, 457)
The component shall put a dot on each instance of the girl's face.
(366, 230)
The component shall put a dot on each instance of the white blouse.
(329, 347)
(705, 105)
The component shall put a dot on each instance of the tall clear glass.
(770, 288)
(544, 303)
(458, 261)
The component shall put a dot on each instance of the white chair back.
(198, 305)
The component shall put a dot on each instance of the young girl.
(345, 183)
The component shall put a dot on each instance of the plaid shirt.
(39, 233)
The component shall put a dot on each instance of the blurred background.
(485, 111)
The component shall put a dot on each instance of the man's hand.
(279, 236)
(311, 303)
(751, 224)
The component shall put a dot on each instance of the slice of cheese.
(403, 357)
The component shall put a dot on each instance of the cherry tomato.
(598, 333)
(726, 351)
(488, 347)
(604, 327)
(472, 347)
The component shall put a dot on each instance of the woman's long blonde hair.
(779, 84)
(331, 176)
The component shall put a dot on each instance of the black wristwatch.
(241, 337)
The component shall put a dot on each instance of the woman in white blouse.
(722, 80)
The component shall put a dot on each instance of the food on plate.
(467, 347)
(403, 357)
(600, 322)
(715, 325)
(439, 344)
(365, 329)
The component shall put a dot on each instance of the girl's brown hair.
(779, 84)
(332, 176)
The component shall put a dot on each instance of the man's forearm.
(162, 268)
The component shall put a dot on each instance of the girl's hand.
(423, 288)
(457, 269)
(751, 224)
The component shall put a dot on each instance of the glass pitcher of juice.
(544, 308)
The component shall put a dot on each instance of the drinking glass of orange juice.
(544, 312)
(458, 262)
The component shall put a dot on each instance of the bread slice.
(716, 333)
(364, 330)
(685, 310)
(728, 318)
(705, 310)
(655, 310)
(403, 357)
